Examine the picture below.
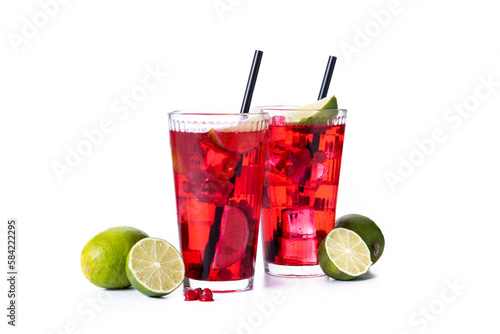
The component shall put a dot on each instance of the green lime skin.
(103, 258)
(328, 267)
(367, 230)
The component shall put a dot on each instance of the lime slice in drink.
(236, 142)
(343, 255)
(316, 112)
(233, 238)
(154, 267)
(367, 230)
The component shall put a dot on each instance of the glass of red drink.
(300, 187)
(218, 161)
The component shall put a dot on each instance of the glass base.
(293, 271)
(220, 286)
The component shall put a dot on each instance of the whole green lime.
(367, 230)
(103, 258)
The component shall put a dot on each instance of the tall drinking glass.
(301, 181)
(218, 160)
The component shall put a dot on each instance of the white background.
(399, 82)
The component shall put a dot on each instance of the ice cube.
(318, 173)
(215, 191)
(201, 158)
(273, 160)
(298, 251)
(194, 174)
(309, 175)
(277, 133)
(278, 120)
(299, 223)
(215, 162)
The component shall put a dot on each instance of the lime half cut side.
(155, 267)
(343, 255)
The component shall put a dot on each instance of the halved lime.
(343, 255)
(154, 267)
(233, 238)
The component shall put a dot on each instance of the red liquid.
(300, 191)
(210, 182)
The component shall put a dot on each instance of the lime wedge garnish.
(318, 111)
(325, 103)
(154, 267)
(233, 238)
(237, 142)
(343, 255)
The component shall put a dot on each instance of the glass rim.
(213, 112)
(291, 108)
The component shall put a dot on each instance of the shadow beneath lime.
(120, 289)
(367, 276)
(364, 277)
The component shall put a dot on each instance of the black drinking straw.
(327, 78)
(213, 237)
(323, 92)
(252, 79)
